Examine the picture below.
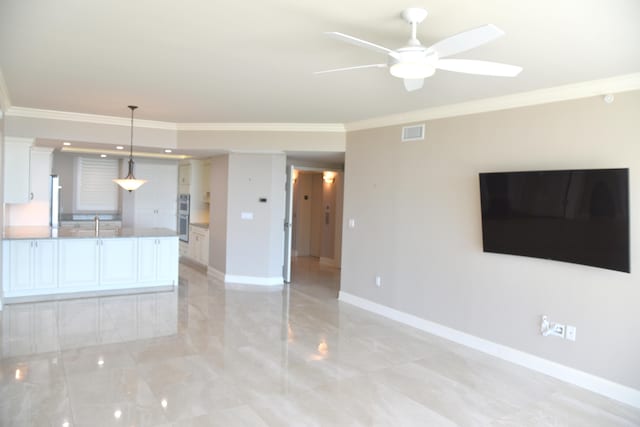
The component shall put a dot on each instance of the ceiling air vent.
(413, 133)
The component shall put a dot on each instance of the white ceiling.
(252, 61)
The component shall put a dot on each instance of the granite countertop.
(204, 225)
(19, 233)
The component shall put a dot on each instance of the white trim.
(573, 376)
(587, 89)
(5, 99)
(245, 280)
(97, 119)
(36, 113)
(254, 280)
(263, 127)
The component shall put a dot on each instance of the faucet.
(96, 221)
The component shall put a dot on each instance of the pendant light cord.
(132, 107)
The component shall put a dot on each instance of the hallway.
(212, 355)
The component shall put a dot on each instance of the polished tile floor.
(210, 355)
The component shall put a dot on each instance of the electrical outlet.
(570, 332)
(378, 281)
(558, 330)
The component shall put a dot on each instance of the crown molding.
(624, 83)
(124, 153)
(262, 127)
(35, 113)
(5, 100)
(616, 84)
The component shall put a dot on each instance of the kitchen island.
(41, 261)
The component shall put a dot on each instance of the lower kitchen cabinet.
(78, 263)
(118, 261)
(198, 244)
(32, 265)
(157, 260)
(59, 265)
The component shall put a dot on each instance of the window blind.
(95, 189)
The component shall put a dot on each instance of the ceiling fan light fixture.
(129, 182)
(412, 70)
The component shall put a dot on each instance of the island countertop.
(27, 232)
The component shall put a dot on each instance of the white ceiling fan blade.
(467, 40)
(359, 42)
(413, 84)
(358, 67)
(472, 66)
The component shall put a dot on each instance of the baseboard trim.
(564, 373)
(254, 280)
(216, 274)
(245, 280)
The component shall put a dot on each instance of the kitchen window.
(95, 190)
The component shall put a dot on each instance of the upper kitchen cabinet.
(26, 171)
(41, 163)
(156, 202)
(184, 177)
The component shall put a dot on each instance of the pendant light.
(130, 182)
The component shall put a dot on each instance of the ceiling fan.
(415, 62)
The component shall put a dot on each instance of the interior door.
(288, 212)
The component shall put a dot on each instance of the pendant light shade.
(130, 182)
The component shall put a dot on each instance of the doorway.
(316, 203)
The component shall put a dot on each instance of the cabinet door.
(17, 157)
(40, 173)
(147, 259)
(45, 264)
(118, 261)
(167, 260)
(78, 263)
(204, 248)
(20, 265)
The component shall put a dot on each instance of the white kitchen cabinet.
(184, 177)
(156, 218)
(118, 261)
(64, 265)
(156, 202)
(32, 265)
(157, 260)
(199, 244)
(40, 171)
(17, 159)
(79, 263)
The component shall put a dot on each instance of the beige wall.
(255, 246)
(418, 225)
(218, 186)
(1, 193)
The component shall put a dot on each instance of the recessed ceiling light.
(66, 143)
(119, 147)
(168, 150)
(103, 155)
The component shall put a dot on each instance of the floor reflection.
(210, 354)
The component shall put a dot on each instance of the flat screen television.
(579, 216)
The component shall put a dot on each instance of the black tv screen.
(578, 216)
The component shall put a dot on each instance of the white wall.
(418, 225)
